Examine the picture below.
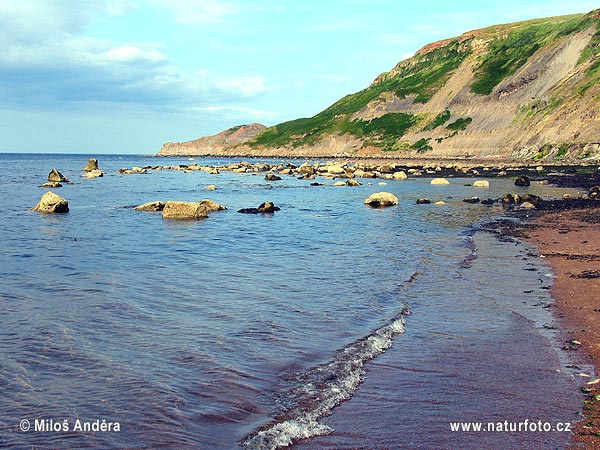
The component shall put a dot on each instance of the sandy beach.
(570, 241)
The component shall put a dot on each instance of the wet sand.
(570, 241)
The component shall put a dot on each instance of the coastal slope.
(211, 145)
(526, 90)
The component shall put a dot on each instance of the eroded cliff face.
(213, 145)
(427, 106)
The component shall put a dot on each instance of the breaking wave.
(322, 388)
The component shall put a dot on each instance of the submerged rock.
(423, 201)
(156, 206)
(472, 200)
(93, 174)
(381, 199)
(439, 181)
(51, 184)
(184, 210)
(481, 183)
(272, 177)
(52, 203)
(210, 187)
(212, 206)
(263, 208)
(353, 182)
(56, 176)
(522, 181)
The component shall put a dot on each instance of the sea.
(326, 325)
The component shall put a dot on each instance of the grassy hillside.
(494, 54)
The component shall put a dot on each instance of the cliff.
(526, 90)
(213, 145)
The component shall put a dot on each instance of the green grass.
(423, 77)
(439, 120)
(422, 145)
(508, 53)
(459, 124)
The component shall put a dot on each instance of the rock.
(51, 184)
(306, 169)
(339, 183)
(530, 198)
(272, 177)
(423, 201)
(264, 208)
(381, 199)
(481, 183)
(214, 171)
(317, 184)
(210, 187)
(353, 182)
(522, 181)
(93, 174)
(488, 201)
(212, 206)
(56, 176)
(267, 207)
(92, 164)
(502, 173)
(335, 170)
(151, 206)
(594, 193)
(52, 203)
(359, 173)
(400, 175)
(472, 200)
(184, 211)
(439, 181)
(440, 202)
(511, 199)
(526, 206)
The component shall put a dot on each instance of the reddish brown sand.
(570, 242)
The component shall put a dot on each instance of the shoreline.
(567, 236)
(570, 241)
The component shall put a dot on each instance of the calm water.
(244, 331)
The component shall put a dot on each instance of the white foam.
(322, 388)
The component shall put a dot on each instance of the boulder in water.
(440, 181)
(381, 199)
(56, 176)
(522, 181)
(155, 206)
(92, 164)
(52, 203)
(184, 210)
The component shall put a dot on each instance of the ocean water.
(325, 325)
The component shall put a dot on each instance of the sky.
(125, 76)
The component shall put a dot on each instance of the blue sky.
(124, 76)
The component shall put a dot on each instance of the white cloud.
(130, 53)
(47, 60)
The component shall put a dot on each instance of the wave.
(322, 388)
